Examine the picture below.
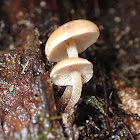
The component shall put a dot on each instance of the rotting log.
(25, 92)
(27, 107)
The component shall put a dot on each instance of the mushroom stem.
(76, 92)
(66, 96)
(71, 49)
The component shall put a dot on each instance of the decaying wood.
(27, 104)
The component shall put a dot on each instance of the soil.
(109, 108)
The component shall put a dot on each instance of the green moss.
(96, 103)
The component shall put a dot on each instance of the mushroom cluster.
(64, 45)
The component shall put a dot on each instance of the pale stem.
(71, 49)
(76, 92)
(66, 96)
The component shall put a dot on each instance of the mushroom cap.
(83, 32)
(61, 73)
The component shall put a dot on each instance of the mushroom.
(67, 41)
(72, 72)
(70, 39)
(63, 101)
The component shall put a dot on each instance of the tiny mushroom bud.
(70, 39)
(73, 72)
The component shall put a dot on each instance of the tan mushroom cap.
(83, 32)
(61, 73)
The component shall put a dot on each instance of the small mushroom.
(70, 39)
(63, 101)
(72, 72)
